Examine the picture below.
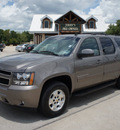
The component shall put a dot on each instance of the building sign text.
(70, 27)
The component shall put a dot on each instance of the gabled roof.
(46, 16)
(101, 25)
(36, 25)
(68, 13)
(91, 18)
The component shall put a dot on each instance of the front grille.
(5, 77)
(4, 81)
(5, 72)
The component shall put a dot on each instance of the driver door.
(89, 70)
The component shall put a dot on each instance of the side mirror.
(85, 53)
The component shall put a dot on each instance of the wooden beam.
(74, 19)
(66, 19)
(70, 17)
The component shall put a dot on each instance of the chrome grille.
(5, 72)
(5, 77)
(4, 81)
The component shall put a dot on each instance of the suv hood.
(23, 61)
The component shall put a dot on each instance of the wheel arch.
(66, 79)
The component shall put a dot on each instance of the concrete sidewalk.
(102, 116)
(9, 50)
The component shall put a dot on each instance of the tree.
(26, 37)
(1, 35)
(114, 29)
(6, 36)
(13, 34)
(13, 41)
(12, 37)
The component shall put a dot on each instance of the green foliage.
(13, 41)
(1, 35)
(114, 29)
(11, 37)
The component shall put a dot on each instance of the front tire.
(55, 99)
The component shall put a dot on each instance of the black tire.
(2, 50)
(118, 83)
(49, 95)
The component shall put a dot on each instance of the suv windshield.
(59, 46)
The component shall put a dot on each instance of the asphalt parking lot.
(96, 111)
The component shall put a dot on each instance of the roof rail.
(98, 34)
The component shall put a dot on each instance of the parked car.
(30, 47)
(60, 66)
(21, 47)
(2, 46)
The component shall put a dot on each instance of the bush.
(13, 41)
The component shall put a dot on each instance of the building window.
(46, 25)
(91, 24)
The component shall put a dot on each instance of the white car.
(21, 47)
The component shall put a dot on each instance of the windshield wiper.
(48, 52)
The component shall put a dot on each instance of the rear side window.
(107, 45)
(118, 41)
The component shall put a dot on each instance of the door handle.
(98, 62)
(115, 58)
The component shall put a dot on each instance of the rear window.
(107, 45)
(118, 41)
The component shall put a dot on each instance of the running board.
(93, 89)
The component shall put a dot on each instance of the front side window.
(90, 43)
(107, 45)
(46, 24)
(59, 46)
(91, 24)
(118, 41)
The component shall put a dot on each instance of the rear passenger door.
(89, 70)
(110, 59)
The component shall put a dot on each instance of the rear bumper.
(24, 96)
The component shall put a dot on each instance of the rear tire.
(118, 83)
(54, 99)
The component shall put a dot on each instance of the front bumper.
(24, 96)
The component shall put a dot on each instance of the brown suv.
(57, 68)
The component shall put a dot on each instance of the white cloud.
(110, 9)
(18, 16)
(79, 12)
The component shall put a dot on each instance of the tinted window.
(46, 24)
(90, 43)
(107, 45)
(118, 41)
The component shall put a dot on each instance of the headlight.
(23, 79)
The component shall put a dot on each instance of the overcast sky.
(17, 14)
